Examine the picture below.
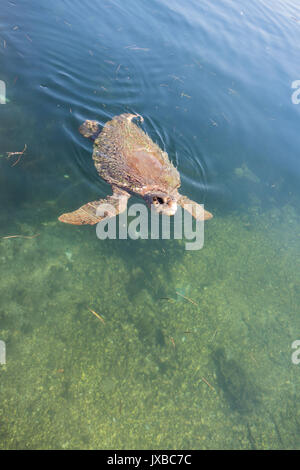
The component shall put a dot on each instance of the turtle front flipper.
(93, 212)
(128, 117)
(197, 211)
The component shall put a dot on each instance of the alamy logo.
(184, 224)
(2, 353)
(2, 92)
(296, 95)
(296, 354)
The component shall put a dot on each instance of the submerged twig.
(21, 236)
(10, 154)
(213, 336)
(207, 383)
(134, 47)
(186, 298)
(97, 315)
(166, 298)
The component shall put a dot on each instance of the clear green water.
(213, 83)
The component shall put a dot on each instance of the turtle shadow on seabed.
(240, 392)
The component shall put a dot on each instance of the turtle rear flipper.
(93, 212)
(197, 210)
(90, 129)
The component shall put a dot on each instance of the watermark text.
(2, 352)
(296, 95)
(184, 225)
(296, 354)
(2, 92)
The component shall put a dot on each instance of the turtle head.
(161, 202)
(90, 129)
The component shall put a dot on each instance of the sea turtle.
(132, 163)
